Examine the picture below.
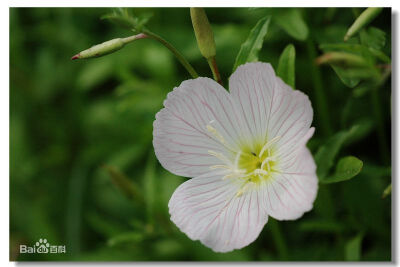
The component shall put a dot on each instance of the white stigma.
(268, 145)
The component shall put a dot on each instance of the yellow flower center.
(251, 164)
(257, 166)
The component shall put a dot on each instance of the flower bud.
(101, 49)
(108, 47)
(342, 59)
(364, 19)
(203, 32)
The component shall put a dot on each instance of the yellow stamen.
(237, 158)
(243, 189)
(220, 167)
(216, 134)
(220, 156)
(235, 174)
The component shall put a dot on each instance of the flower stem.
(177, 54)
(379, 118)
(278, 239)
(214, 68)
(322, 104)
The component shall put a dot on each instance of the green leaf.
(352, 62)
(350, 67)
(344, 77)
(369, 53)
(250, 48)
(286, 66)
(347, 168)
(123, 18)
(351, 76)
(327, 153)
(290, 20)
(353, 248)
(373, 37)
(379, 55)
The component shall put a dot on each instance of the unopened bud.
(203, 32)
(107, 47)
(364, 19)
(342, 59)
(101, 49)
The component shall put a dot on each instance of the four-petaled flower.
(246, 151)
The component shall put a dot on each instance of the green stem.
(278, 239)
(177, 54)
(378, 114)
(377, 111)
(149, 189)
(322, 104)
(214, 68)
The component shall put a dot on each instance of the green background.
(82, 167)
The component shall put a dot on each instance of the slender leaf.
(250, 48)
(291, 21)
(353, 62)
(286, 67)
(366, 51)
(347, 168)
(123, 18)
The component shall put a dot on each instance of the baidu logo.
(42, 246)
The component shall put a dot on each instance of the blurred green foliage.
(82, 167)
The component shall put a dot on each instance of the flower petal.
(254, 88)
(181, 138)
(291, 121)
(271, 108)
(288, 195)
(207, 208)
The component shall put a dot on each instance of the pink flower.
(246, 151)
